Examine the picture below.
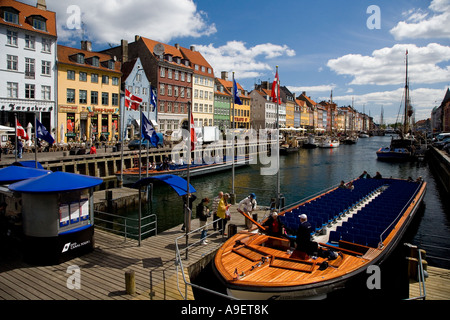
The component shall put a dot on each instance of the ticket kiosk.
(57, 216)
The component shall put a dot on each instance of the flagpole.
(148, 115)
(35, 142)
(232, 143)
(15, 125)
(278, 137)
(122, 136)
(140, 144)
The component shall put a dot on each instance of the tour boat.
(132, 175)
(310, 143)
(354, 228)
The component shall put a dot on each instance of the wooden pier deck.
(437, 285)
(102, 272)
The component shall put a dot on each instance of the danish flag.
(20, 131)
(132, 101)
(193, 135)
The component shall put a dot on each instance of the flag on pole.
(20, 131)
(193, 135)
(148, 132)
(237, 100)
(42, 133)
(276, 89)
(132, 101)
(153, 98)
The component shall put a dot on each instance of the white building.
(27, 63)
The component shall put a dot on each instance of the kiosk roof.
(56, 182)
(13, 174)
(177, 183)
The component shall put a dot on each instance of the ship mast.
(406, 122)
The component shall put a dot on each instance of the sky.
(354, 49)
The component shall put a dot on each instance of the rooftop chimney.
(124, 46)
(86, 45)
(41, 5)
(224, 75)
(192, 48)
(137, 37)
(177, 46)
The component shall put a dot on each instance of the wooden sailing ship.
(353, 228)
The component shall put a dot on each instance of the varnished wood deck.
(103, 270)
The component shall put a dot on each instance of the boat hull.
(387, 154)
(308, 282)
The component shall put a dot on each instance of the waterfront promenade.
(102, 272)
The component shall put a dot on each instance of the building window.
(94, 78)
(169, 73)
(176, 74)
(11, 62)
(162, 89)
(169, 90)
(80, 58)
(29, 68)
(115, 99)
(105, 79)
(12, 17)
(115, 81)
(163, 72)
(11, 38)
(95, 61)
(83, 76)
(83, 96)
(161, 107)
(29, 42)
(39, 24)
(46, 68)
(70, 96)
(46, 45)
(105, 98)
(29, 91)
(12, 89)
(94, 97)
(70, 75)
(46, 92)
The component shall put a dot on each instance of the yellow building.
(88, 95)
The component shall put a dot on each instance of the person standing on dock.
(221, 213)
(214, 207)
(203, 214)
(247, 205)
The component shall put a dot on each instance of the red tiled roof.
(64, 54)
(25, 11)
(196, 58)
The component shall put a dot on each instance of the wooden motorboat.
(353, 228)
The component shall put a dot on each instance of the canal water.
(310, 171)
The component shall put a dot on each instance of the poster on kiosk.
(57, 216)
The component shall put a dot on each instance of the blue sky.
(318, 46)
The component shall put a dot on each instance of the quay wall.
(440, 164)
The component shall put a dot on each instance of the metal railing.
(421, 276)
(126, 226)
(179, 261)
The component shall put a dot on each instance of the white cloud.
(314, 89)
(386, 66)
(112, 20)
(246, 62)
(419, 24)
(423, 101)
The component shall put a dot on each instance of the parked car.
(440, 144)
(134, 144)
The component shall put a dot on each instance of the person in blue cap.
(247, 205)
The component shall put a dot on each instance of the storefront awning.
(56, 182)
(175, 182)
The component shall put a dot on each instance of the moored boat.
(310, 143)
(131, 175)
(329, 143)
(353, 229)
